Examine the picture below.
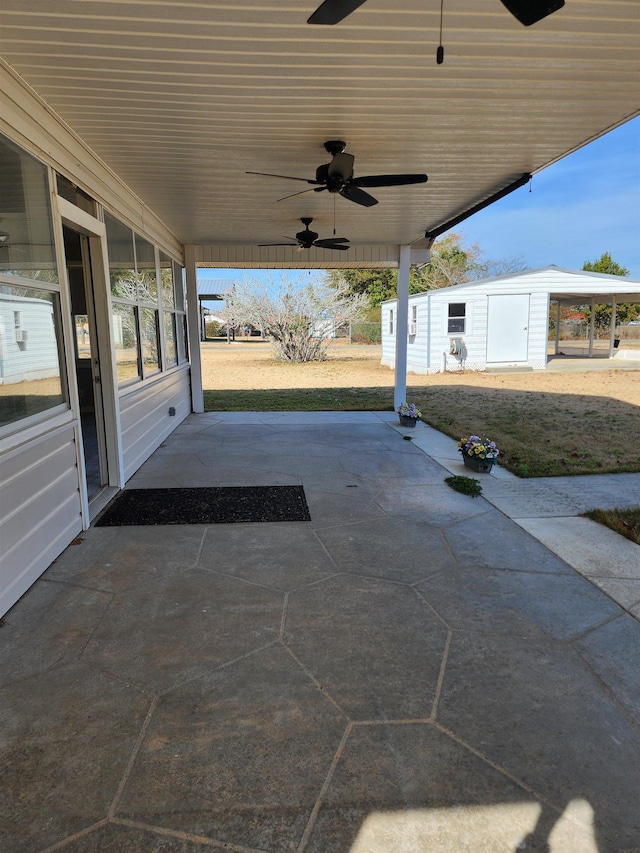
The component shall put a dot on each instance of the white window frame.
(458, 318)
(413, 324)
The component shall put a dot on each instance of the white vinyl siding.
(40, 510)
(43, 496)
(145, 417)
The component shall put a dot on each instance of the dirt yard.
(251, 365)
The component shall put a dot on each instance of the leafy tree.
(605, 264)
(602, 313)
(376, 285)
(451, 263)
(298, 317)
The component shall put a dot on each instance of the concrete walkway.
(412, 670)
(549, 508)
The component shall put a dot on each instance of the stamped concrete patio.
(409, 671)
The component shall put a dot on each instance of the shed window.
(457, 317)
(413, 323)
(391, 321)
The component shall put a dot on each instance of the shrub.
(366, 333)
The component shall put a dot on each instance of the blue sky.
(585, 204)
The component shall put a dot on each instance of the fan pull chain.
(440, 51)
(334, 214)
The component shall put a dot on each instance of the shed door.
(508, 328)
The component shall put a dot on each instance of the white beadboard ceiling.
(180, 99)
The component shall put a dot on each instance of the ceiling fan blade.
(531, 11)
(359, 196)
(387, 180)
(302, 192)
(342, 166)
(334, 11)
(277, 244)
(286, 177)
(328, 242)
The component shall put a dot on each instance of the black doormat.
(217, 505)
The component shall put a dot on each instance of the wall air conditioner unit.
(413, 328)
(21, 337)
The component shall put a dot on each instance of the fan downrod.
(334, 146)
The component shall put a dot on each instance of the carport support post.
(612, 333)
(592, 326)
(193, 311)
(402, 326)
(557, 327)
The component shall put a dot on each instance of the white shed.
(28, 348)
(497, 322)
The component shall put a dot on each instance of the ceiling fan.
(307, 238)
(526, 11)
(337, 177)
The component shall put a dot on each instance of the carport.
(593, 299)
(210, 290)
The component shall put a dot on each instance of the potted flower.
(479, 454)
(409, 414)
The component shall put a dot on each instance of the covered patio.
(410, 670)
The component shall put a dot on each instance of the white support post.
(557, 327)
(402, 323)
(612, 333)
(592, 327)
(197, 399)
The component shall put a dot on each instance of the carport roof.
(214, 289)
(563, 285)
(181, 99)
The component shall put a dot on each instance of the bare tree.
(494, 267)
(298, 317)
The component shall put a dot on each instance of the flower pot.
(406, 421)
(480, 466)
